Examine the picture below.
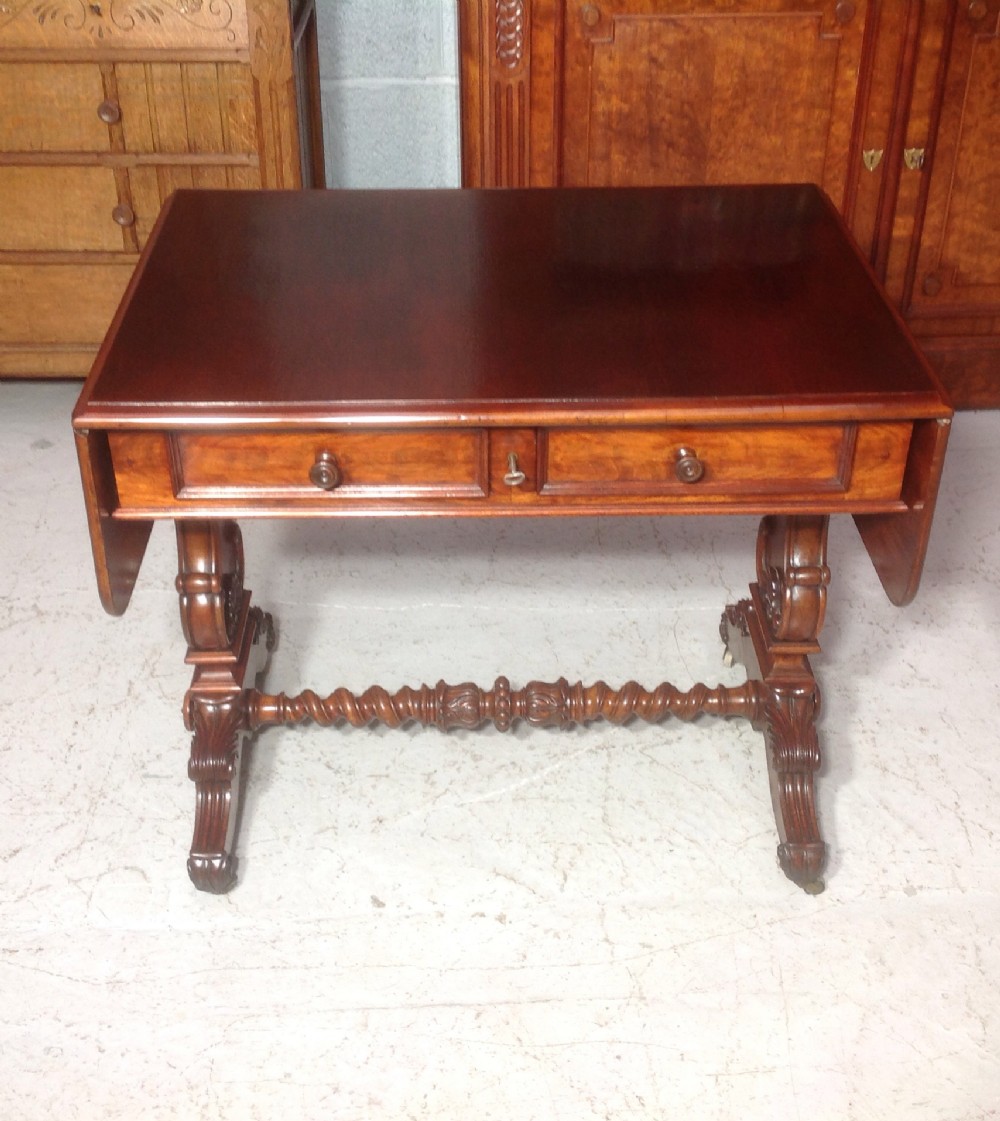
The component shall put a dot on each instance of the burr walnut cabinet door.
(691, 93)
(953, 289)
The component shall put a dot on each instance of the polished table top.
(462, 304)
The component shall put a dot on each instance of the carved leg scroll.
(228, 645)
(772, 634)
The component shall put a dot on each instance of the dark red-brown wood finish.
(540, 353)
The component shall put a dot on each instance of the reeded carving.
(542, 704)
(127, 20)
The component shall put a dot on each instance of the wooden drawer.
(573, 469)
(169, 108)
(860, 462)
(59, 304)
(59, 209)
(52, 107)
(188, 108)
(156, 470)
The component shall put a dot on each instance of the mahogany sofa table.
(523, 353)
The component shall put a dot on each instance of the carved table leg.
(772, 634)
(228, 645)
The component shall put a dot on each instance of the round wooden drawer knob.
(325, 473)
(110, 112)
(124, 215)
(688, 467)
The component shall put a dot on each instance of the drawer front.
(155, 470)
(725, 463)
(60, 209)
(124, 25)
(60, 305)
(191, 108)
(52, 107)
(470, 470)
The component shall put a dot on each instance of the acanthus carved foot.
(214, 767)
(793, 761)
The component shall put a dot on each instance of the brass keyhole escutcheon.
(515, 476)
(325, 473)
(687, 466)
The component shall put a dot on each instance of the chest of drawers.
(105, 110)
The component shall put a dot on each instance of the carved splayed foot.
(793, 761)
(214, 767)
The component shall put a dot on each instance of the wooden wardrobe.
(892, 106)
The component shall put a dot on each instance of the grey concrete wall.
(389, 81)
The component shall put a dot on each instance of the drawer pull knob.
(325, 473)
(688, 467)
(124, 215)
(515, 476)
(110, 112)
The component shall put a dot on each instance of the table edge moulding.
(523, 353)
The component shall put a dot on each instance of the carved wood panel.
(124, 24)
(685, 93)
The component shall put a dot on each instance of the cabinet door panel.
(51, 107)
(187, 108)
(958, 263)
(58, 208)
(687, 93)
